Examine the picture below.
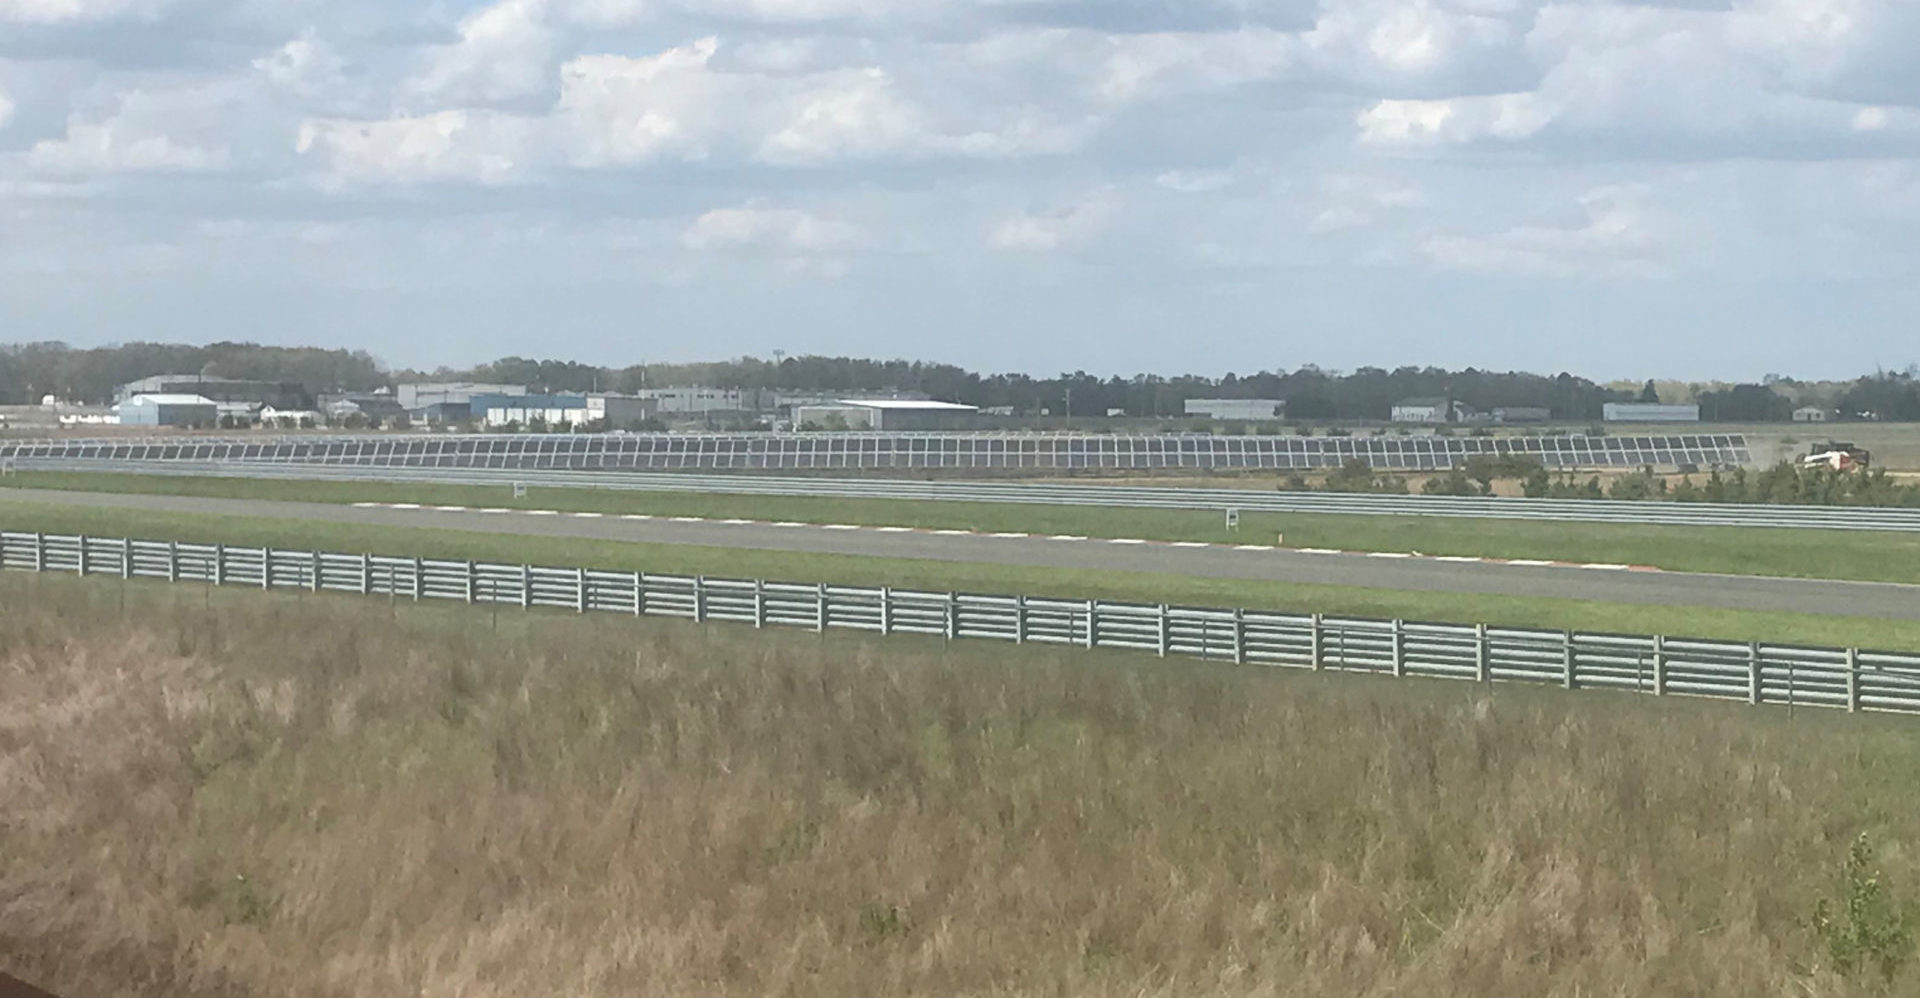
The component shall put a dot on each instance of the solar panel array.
(853, 451)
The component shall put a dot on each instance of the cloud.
(1071, 226)
(6, 109)
(758, 227)
(466, 146)
(49, 12)
(504, 53)
(621, 110)
(160, 131)
(1619, 238)
(307, 66)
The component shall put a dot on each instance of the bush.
(1866, 927)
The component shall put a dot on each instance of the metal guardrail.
(1650, 513)
(1755, 673)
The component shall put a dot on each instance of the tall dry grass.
(316, 796)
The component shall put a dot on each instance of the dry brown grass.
(275, 795)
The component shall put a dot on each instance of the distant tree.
(1650, 393)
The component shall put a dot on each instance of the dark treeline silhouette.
(30, 371)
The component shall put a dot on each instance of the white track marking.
(789, 523)
(1608, 568)
(589, 516)
(736, 523)
(1319, 551)
(1191, 544)
(542, 512)
(1458, 560)
(453, 509)
(368, 505)
(1255, 547)
(1006, 537)
(1125, 540)
(1388, 554)
(406, 505)
(840, 526)
(1067, 537)
(689, 519)
(895, 530)
(1532, 564)
(496, 509)
(952, 533)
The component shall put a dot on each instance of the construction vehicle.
(1838, 456)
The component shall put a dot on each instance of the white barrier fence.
(1756, 673)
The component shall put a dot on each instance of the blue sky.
(1690, 188)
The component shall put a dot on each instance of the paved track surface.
(1860, 599)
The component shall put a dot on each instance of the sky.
(1674, 188)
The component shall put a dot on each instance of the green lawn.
(944, 576)
(1828, 554)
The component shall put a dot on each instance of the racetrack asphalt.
(1838, 598)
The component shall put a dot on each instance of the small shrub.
(1868, 928)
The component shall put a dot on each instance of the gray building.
(169, 410)
(420, 395)
(279, 394)
(1650, 412)
(1522, 414)
(888, 414)
(1431, 410)
(1248, 409)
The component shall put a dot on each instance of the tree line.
(31, 371)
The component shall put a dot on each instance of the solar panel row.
(930, 450)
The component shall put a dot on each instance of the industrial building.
(1431, 410)
(420, 395)
(1247, 409)
(886, 414)
(613, 412)
(279, 394)
(1812, 414)
(1522, 414)
(184, 411)
(377, 408)
(1650, 412)
(697, 401)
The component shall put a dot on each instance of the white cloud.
(844, 115)
(467, 146)
(101, 147)
(6, 109)
(1068, 227)
(505, 52)
(1619, 238)
(757, 227)
(76, 11)
(306, 65)
(620, 110)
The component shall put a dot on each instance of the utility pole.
(1069, 407)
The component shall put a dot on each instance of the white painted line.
(406, 505)
(636, 516)
(1067, 537)
(1388, 554)
(895, 530)
(840, 526)
(451, 509)
(542, 512)
(953, 533)
(689, 519)
(1458, 560)
(589, 516)
(736, 523)
(1125, 540)
(1255, 547)
(368, 505)
(1191, 544)
(1010, 536)
(1320, 551)
(1608, 568)
(1532, 564)
(496, 509)
(789, 523)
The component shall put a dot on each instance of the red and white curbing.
(1125, 541)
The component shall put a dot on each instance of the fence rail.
(1652, 513)
(1756, 673)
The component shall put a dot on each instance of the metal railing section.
(1649, 513)
(1756, 673)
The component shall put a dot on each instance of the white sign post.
(1233, 519)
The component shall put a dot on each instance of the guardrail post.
(219, 564)
(39, 552)
(1482, 664)
(639, 594)
(126, 558)
(1019, 620)
(1753, 673)
(1239, 637)
(759, 603)
(83, 557)
(1853, 680)
(580, 594)
(1316, 642)
(1400, 648)
(319, 563)
(366, 575)
(886, 610)
(266, 569)
(1166, 630)
(820, 609)
(953, 616)
(1093, 623)
(1569, 649)
(1659, 665)
(471, 583)
(699, 599)
(173, 561)
(418, 570)
(526, 586)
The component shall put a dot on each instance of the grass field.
(295, 796)
(949, 576)
(1831, 554)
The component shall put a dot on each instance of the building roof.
(173, 400)
(909, 405)
(1420, 402)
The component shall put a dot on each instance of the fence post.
(580, 595)
(83, 556)
(39, 552)
(126, 558)
(319, 563)
(639, 594)
(219, 564)
(266, 569)
(1482, 662)
(759, 603)
(953, 616)
(526, 586)
(1019, 620)
(1853, 680)
(699, 599)
(886, 610)
(820, 609)
(1659, 665)
(1567, 649)
(1400, 648)
(1093, 623)
(1239, 636)
(173, 561)
(1753, 673)
(1166, 630)
(366, 575)
(1316, 642)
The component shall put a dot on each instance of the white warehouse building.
(1650, 412)
(1248, 409)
